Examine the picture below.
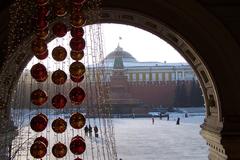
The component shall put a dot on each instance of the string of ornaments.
(39, 73)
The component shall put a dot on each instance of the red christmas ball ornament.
(78, 158)
(77, 80)
(41, 2)
(60, 8)
(77, 44)
(59, 101)
(60, 11)
(38, 149)
(39, 45)
(59, 125)
(39, 97)
(39, 72)
(59, 53)
(59, 150)
(77, 95)
(78, 2)
(77, 145)
(42, 34)
(42, 139)
(78, 19)
(41, 56)
(59, 77)
(77, 120)
(43, 11)
(39, 122)
(41, 23)
(75, 9)
(77, 32)
(77, 55)
(77, 69)
(59, 29)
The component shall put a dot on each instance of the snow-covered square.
(139, 139)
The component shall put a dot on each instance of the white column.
(176, 73)
(183, 75)
(140, 77)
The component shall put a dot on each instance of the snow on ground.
(139, 139)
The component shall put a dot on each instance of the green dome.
(126, 57)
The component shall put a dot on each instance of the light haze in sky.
(142, 45)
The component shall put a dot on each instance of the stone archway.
(195, 35)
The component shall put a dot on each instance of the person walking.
(90, 130)
(86, 130)
(152, 120)
(96, 131)
(178, 121)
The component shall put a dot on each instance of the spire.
(119, 39)
(118, 61)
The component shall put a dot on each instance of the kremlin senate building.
(151, 84)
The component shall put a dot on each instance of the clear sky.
(141, 44)
(144, 46)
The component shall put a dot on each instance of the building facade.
(149, 71)
(152, 84)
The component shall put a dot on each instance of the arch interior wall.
(200, 34)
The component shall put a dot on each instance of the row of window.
(161, 76)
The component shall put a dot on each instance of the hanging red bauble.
(41, 56)
(38, 149)
(77, 55)
(59, 101)
(60, 11)
(75, 9)
(59, 29)
(77, 69)
(78, 158)
(59, 125)
(43, 11)
(42, 139)
(39, 72)
(41, 23)
(60, 7)
(41, 2)
(78, 19)
(77, 32)
(59, 77)
(77, 120)
(77, 95)
(77, 145)
(77, 44)
(77, 80)
(77, 2)
(39, 122)
(59, 150)
(39, 45)
(59, 53)
(42, 34)
(39, 97)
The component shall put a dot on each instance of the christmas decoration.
(39, 122)
(77, 120)
(59, 125)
